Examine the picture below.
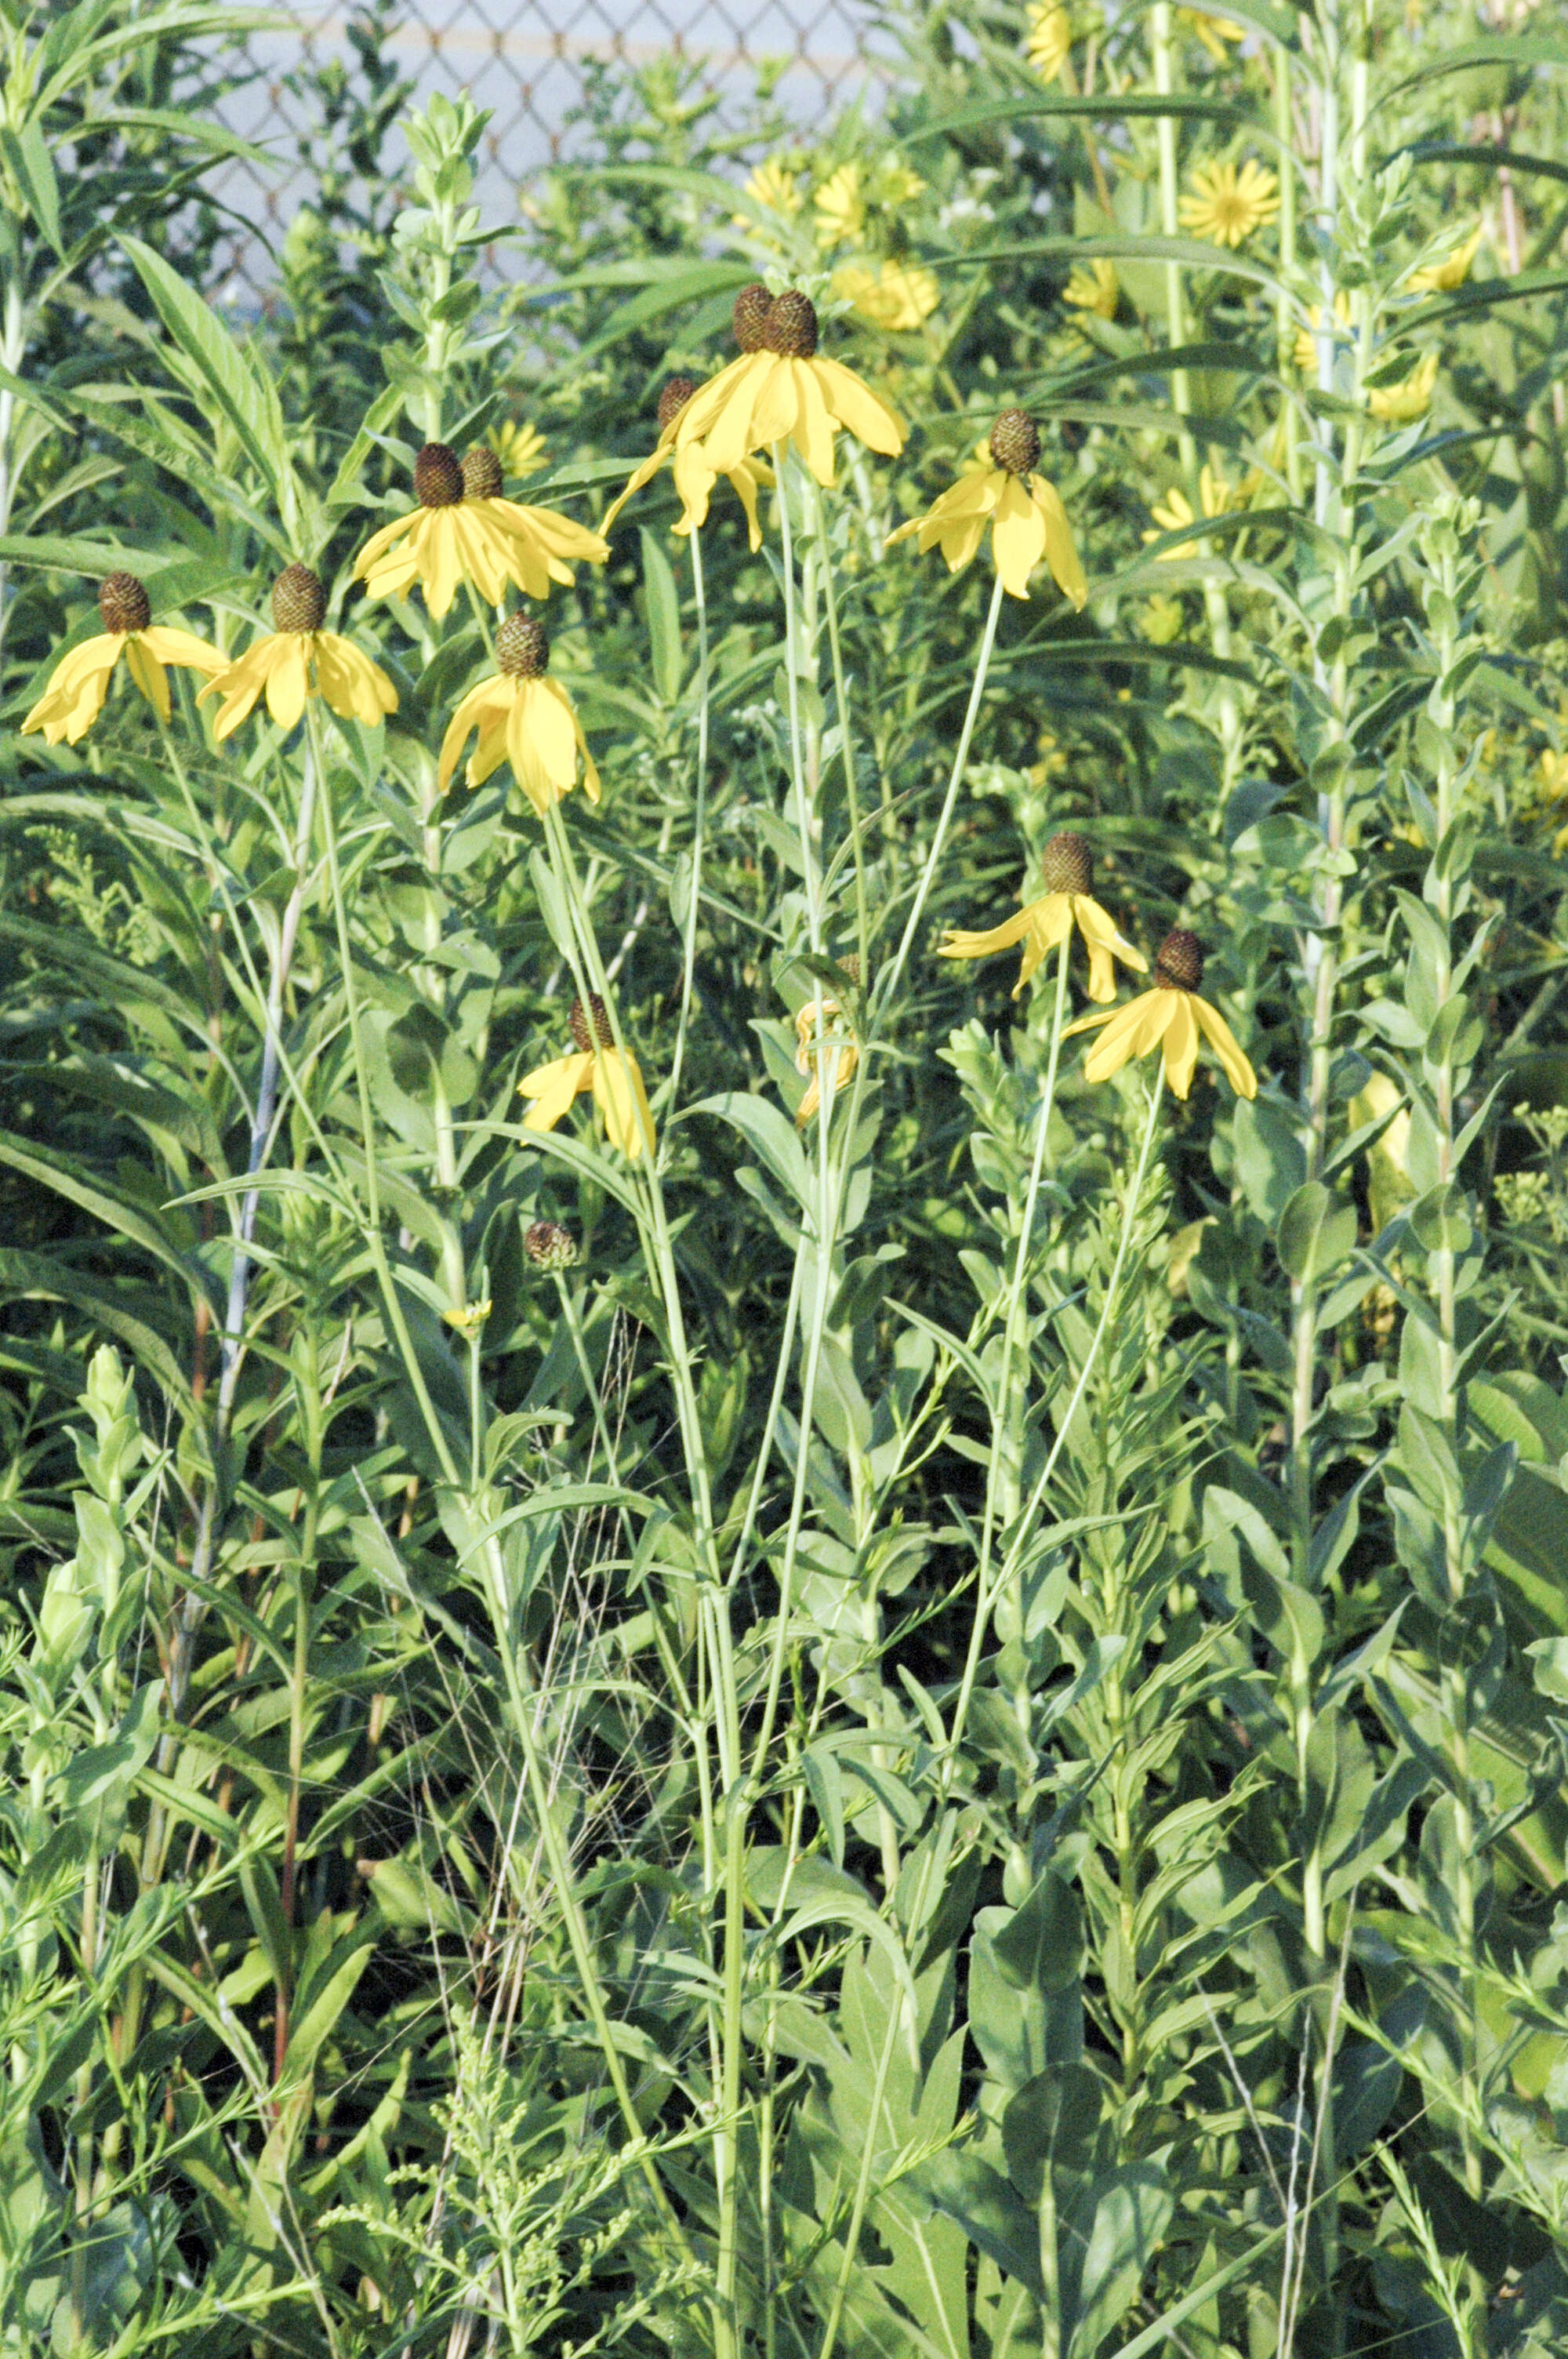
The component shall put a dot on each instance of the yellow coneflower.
(464, 531)
(1169, 1017)
(839, 209)
(611, 1073)
(1228, 202)
(693, 479)
(773, 187)
(519, 445)
(1025, 513)
(1067, 869)
(80, 682)
(1306, 338)
(1441, 278)
(1093, 288)
(1213, 32)
(522, 718)
(1049, 42)
(1400, 404)
(896, 296)
(1174, 511)
(782, 390)
(295, 659)
(825, 1048)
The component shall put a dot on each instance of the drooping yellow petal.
(956, 943)
(74, 697)
(813, 427)
(1104, 943)
(239, 685)
(349, 683)
(1237, 1070)
(147, 672)
(288, 676)
(1181, 1045)
(743, 481)
(621, 1098)
(556, 534)
(441, 566)
(541, 740)
(1131, 1031)
(171, 647)
(774, 409)
(709, 402)
(492, 700)
(484, 554)
(1061, 553)
(855, 406)
(694, 480)
(641, 475)
(552, 1089)
(1049, 918)
(1018, 538)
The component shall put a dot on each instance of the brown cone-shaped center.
(298, 601)
(438, 476)
(749, 319)
(522, 647)
(1015, 443)
(590, 1023)
(124, 604)
(1067, 863)
(482, 478)
(677, 392)
(791, 328)
(548, 1245)
(1178, 964)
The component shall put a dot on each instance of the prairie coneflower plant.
(694, 478)
(465, 530)
(1067, 869)
(782, 390)
(522, 718)
(1028, 522)
(1170, 1017)
(297, 659)
(80, 682)
(612, 1075)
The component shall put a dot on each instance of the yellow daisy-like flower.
(1399, 405)
(692, 477)
(1213, 32)
(611, 1073)
(775, 188)
(1442, 277)
(1025, 513)
(1094, 288)
(520, 447)
(295, 659)
(1228, 202)
(1170, 1017)
(895, 295)
(840, 208)
(823, 1050)
(898, 186)
(1068, 871)
(1306, 338)
(522, 718)
(80, 682)
(1174, 511)
(1050, 38)
(780, 390)
(1553, 775)
(463, 530)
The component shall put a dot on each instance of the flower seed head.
(482, 478)
(677, 392)
(791, 328)
(750, 317)
(522, 647)
(548, 1245)
(298, 601)
(124, 604)
(1067, 862)
(438, 476)
(590, 1023)
(1015, 443)
(1178, 965)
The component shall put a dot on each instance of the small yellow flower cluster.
(893, 295)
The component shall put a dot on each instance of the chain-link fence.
(527, 61)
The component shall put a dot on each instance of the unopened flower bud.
(548, 1245)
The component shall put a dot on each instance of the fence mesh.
(529, 62)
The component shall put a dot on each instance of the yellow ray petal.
(813, 427)
(1060, 550)
(552, 1089)
(147, 672)
(288, 676)
(171, 647)
(380, 542)
(956, 943)
(1049, 918)
(442, 563)
(855, 406)
(961, 541)
(621, 1098)
(1104, 944)
(1181, 1045)
(636, 481)
(350, 682)
(1018, 538)
(710, 400)
(1131, 1031)
(1238, 1072)
(774, 407)
(239, 686)
(491, 697)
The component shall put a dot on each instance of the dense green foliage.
(948, 1738)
